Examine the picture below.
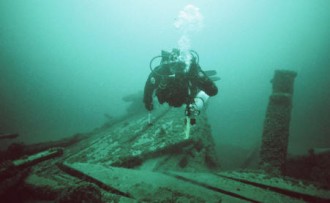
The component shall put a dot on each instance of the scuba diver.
(179, 80)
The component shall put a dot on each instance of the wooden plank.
(233, 188)
(146, 185)
(9, 136)
(287, 186)
(134, 140)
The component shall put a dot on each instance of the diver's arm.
(204, 83)
(149, 88)
(208, 86)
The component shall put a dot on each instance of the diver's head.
(180, 60)
(177, 55)
(174, 56)
(178, 67)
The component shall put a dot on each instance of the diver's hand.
(149, 106)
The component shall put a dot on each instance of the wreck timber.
(12, 172)
(9, 136)
(134, 161)
(275, 136)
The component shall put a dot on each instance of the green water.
(63, 64)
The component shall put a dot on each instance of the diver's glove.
(149, 106)
(192, 110)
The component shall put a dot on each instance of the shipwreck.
(167, 160)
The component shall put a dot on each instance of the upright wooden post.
(277, 123)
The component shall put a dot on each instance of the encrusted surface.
(132, 143)
(134, 138)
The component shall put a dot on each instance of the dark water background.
(63, 64)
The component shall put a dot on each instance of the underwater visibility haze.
(66, 64)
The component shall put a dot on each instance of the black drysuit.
(179, 88)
